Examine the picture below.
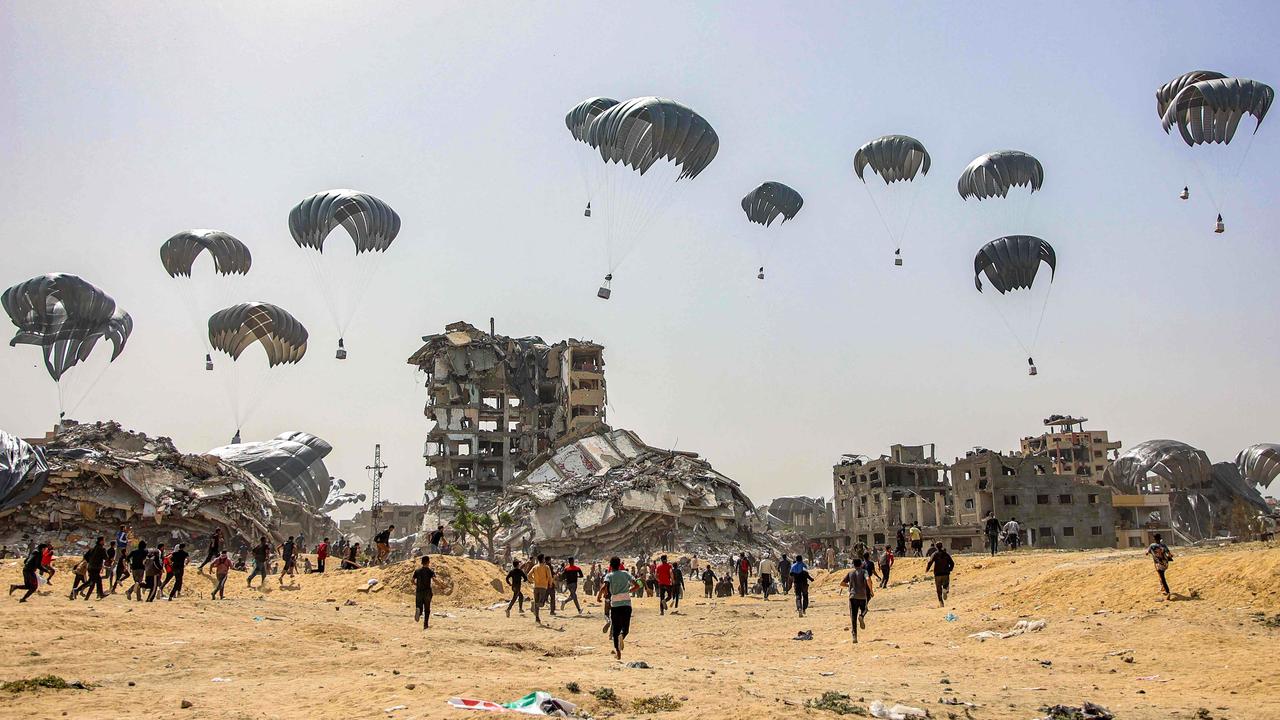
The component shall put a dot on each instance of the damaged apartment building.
(497, 402)
(873, 497)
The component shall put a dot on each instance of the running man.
(437, 537)
(766, 577)
(992, 530)
(289, 561)
(260, 552)
(30, 581)
(422, 592)
(784, 574)
(917, 539)
(859, 585)
(514, 578)
(677, 585)
(541, 577)
(708, 580)
(886, 564)
(800, 578)
(178, 567)
(152, 570)
(662, 572)
(941, 563)
(383, 541)
(137, 568)
(744, 570)
(1159, 553)
(215, 548)
(619, 584)
(571, 574)
(1013, 533)
(221, 566)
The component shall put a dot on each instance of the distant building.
(406, 518)
(811, 517)
(873, 497)
(496, 403)
(1071, 449)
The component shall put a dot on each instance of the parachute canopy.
(993, 174)
(1260, 464)
(639, 132)
(1168, 91)
(292, 463)
(23, 471)
(239, 326)
(771, 199)
(230, 256)
(1210, 110)
(371, 223)
(1011, 262)
(893, 158)
(584, 113)
(65, 316)
(1178, 466)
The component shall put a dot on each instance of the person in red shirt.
(662, 573)
(322, 552)
(221, 566)
(46, 564)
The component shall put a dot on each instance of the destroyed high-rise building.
(1071, 449)
(497, 402)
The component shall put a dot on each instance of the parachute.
(292, 463)
(230, 256)
(1207, 108)
(994, 174)
(65, 316)
(372, 226)
(577, 120)
(1260, 464)
(765, 204)
(895, 158)
(234, 329)
(630, 138)
(1011, 263)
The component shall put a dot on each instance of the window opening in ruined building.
(1010, 499)
(968, 503)
(462, 449)
(1042, 499)
(879, 538)
(1095, 530)
(1046, 532)
(1068, 531)
(982, 472)
(1064, 499)
(1093, 499)
(488, 426)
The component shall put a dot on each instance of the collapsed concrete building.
(87, 480)
(609, 492)
(497, 402)
(872, 497)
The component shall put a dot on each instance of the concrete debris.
(1087, 711)
(100, 476)
(610, 493)
(1023, 627)
(895, 712)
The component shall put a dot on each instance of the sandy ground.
(304, 653)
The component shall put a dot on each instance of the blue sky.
(122, 123)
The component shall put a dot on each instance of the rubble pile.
(611, 493)
(99, 476)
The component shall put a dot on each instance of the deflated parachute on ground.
(893, 158)
(771, 199)
(230, 256)
(994, 174)
(283, 338)
(66, 316)
(584, 113)
(639, 132)
(292, 464)
(1012, 262)
(1209, 111)
(371, 222)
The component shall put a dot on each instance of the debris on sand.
(835, 702)
(49, 682)
(1023, 627)
(1086, 711)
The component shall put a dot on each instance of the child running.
(620, 584)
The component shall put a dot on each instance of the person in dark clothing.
(859, 584)
(992, 530)
(349, 562)
(383, 542)
(178, 567)
(289, 560)
(941, 563)
(901, 548)
(886, 564)
(422, 592)
(437, 537)
(571, 575)
(514, 578)
(260, 552)
(137, 568)
(1159, 552)
(152, 569)
(800, 583)
(677, 585)
(30, 582)
(784, 574)
(744, 571)
(96, 559)
(215, 549)
(708, 581)
(121, 573)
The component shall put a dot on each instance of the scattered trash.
(258, 618)
(835, 702)
(220, 679)
(1021, 628)
(826, 674)
(804, 635)
(956, 701)
(394, 708)
(185, 704)
(950, 617)
(1087, 711)
(535, 703)
(1154, 678)
(639, 665)
(897, 712)
(349, 603)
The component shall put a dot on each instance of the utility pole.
(375, 472)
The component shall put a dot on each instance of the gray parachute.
(1168, 91)
(1259, 464)
(993, 174)
(1175, 466)
(292, 464)
(1209, 111)
(639, 132)
(371, 222)
(230, 256)
(771, 199)
(582, 115)
(65, 316)
(1011, 262)
(235, 328)
(893, 158)
(23, 471)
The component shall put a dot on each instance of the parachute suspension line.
(630, 225)
(879, 214)
(650, 214)
(1247, 147)
(1005, 320)
(1204, 182)
(84, 395)
(1035, 338)
(368, 271)
(318, 274)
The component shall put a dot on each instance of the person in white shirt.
(766, 576)
(1011, 533)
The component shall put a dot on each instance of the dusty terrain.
(304, 653)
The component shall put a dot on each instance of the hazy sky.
(123, 123)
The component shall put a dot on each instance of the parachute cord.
(879, 214)
(368, 272)
(911, 208)
(317, 274)
(1003, 319)
(1204, 182)
(76, 405)
(641, 217)
(61, 403)
(1043, 306)
(1248, 146)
